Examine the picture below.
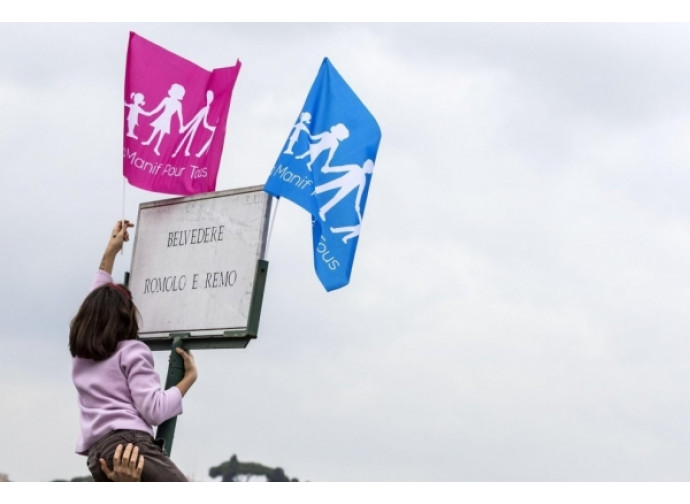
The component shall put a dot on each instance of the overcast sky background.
(518, 307)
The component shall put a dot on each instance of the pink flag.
(175, 116)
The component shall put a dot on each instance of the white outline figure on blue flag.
(326, 141)
(300, 126)
(352, 231)
(355, 177)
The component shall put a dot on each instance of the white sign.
(194, 261)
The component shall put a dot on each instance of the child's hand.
(190, 372)
(119, 235)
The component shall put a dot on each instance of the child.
(119, 393)
(133, 114)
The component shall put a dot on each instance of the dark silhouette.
(233, 469)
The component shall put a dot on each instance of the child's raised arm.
(118, 236)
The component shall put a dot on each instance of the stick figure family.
(354, 176)
(169, 107)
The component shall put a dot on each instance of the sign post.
(198, 274)
(166, 430)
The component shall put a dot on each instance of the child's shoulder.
(132, 351)
(131, 346)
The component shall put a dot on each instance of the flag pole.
(124, 186)
(270, 225)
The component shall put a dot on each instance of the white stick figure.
(204, 149)
(170, 105)
(355, 177)
(190, 129)
(301, 125)
(351, 230)
(209, 127)
(133, 114)
(328, 140)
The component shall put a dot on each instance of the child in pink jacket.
(119, 392)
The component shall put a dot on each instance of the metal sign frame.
(233, 337)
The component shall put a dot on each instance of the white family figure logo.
(133, 114)
(354, 176)
(300, 126)
(169, 107)
(192, 126)
(326, 141)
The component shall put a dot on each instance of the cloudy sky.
(518, 307)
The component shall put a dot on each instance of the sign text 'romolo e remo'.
(195, 263)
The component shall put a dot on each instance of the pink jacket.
(120, 392)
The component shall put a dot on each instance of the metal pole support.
(166, 430)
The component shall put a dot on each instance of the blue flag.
(325, 167)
